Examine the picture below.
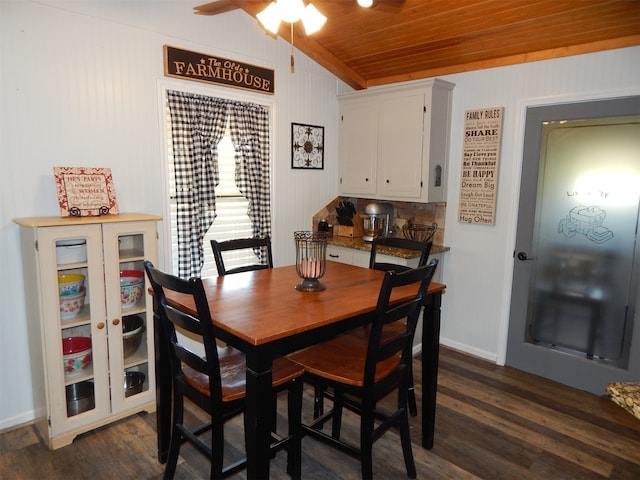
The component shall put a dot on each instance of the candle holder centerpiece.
(311, 261)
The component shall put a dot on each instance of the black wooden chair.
(424, 249)
(362, 369)
(216, 382)
(261, 247)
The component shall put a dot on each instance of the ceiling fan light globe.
(270, 18)
(365, 3)
(290, 10)
(312, 19)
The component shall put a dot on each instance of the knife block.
(354, 231)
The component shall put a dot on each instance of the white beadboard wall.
(479, 267)
(79, 85)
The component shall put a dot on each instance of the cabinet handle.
(387, 180)
(115, 321)
(366, 179)
(100, 325)
(333, 255)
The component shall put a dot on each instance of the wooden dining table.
(263, 315)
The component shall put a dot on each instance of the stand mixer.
(377, 219)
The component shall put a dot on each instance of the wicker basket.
(419, 231)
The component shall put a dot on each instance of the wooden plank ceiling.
(399, 40)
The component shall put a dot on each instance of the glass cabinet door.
(77, 340)
(130, 311)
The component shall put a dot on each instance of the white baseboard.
(492, 357)
(16, 421)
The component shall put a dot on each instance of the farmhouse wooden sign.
(480, 158)
(201, 67)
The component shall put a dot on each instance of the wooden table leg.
(430, 354)
(258, 416)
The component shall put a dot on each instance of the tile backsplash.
(426, 213)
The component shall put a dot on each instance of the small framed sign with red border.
(85, 191)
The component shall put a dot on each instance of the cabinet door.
(358, 147)
(338, 254)
(77, 386)
(129, 312)
(400, 144)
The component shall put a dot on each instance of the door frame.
(518, 155)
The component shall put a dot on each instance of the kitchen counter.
(359, 244)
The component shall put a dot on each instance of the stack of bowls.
(80, 397)
(131, 287)
(131, 334)
(71, 292)
(76, 354)
(133, 382)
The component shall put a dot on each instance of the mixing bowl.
(131, 287)
(70, 284)
(133, 383)
(76, 354)
(80, 398)
(131, 334)
(70, 305)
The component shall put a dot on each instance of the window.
(231, 219)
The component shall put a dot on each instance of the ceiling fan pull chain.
(293, 63)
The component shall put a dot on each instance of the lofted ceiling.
(400, 40)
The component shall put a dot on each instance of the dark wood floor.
(492, 423)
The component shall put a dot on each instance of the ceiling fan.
(253, 6)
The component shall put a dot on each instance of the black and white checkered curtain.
(198, 123)
(249, 125)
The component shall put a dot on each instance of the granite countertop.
(359, 244)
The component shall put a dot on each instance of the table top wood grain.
(263, 306)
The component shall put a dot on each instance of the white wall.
(79, 86)
(480, 265)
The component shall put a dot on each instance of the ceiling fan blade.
(222, 6)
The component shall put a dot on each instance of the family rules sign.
(480, 159)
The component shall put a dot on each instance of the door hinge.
(49, 420)
(36, 245)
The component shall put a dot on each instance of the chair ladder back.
(260, 245)
(396, 242)
(170, 318)
(378, 351)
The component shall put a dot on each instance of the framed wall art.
(307, 146)
(85, 191)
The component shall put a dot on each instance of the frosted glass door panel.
(585, 279)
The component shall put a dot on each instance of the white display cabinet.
(69, 402)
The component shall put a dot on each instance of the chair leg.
(336, 424)
(318, 400)
(176, 437)
(367, 422)
(405, 439)
(294, 451)
(403, 425)
(411, 394)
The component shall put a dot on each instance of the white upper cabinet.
(394, 142)
(358, 130)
